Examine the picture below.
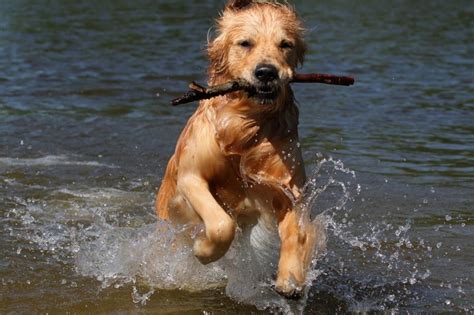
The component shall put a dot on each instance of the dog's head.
(260, 42)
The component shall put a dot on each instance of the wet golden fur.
(238, 161)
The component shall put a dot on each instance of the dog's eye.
(286, 44)
(245, 43)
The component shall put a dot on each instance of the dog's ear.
(237, 4)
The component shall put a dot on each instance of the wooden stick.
(198, 92)
(323, 78)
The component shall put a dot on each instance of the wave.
(50, 160)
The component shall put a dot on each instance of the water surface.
(84, 142)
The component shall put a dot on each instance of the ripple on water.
(50, 160)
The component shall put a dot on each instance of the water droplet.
(448, 218)
(426, 274)
(438, 245)
(425, 201)
(412, 281)
(432, 190)
(75, 248)
(447, 302)
(391, 297)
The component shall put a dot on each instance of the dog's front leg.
(219, 226)
(297, 244)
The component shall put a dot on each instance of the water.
(84, 142)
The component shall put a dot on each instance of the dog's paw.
(289, 289)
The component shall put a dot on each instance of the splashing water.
(380, 247)
(94, 230)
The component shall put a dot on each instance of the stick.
(323, 78)
(197, 92)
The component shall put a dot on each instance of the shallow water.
(84, 142)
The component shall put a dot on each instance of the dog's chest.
(239, 197)
(251, 195)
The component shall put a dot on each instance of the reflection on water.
(84, 142)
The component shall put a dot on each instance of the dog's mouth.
(265, 93)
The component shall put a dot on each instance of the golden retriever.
(238, 160)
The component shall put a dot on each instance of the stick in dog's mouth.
(198, 92)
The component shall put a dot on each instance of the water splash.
(151, 255)
(110, 235)
(324, 177)
(89, 229)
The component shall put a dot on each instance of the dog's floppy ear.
(237, 4)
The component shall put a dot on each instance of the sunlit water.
(84, 142)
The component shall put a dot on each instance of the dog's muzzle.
(266, 83)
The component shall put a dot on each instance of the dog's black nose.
(266, 72)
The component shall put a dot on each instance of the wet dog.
(238, 160)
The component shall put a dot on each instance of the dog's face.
(260, 42)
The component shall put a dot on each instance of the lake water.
(84, 141)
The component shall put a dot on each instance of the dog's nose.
(266, 72)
